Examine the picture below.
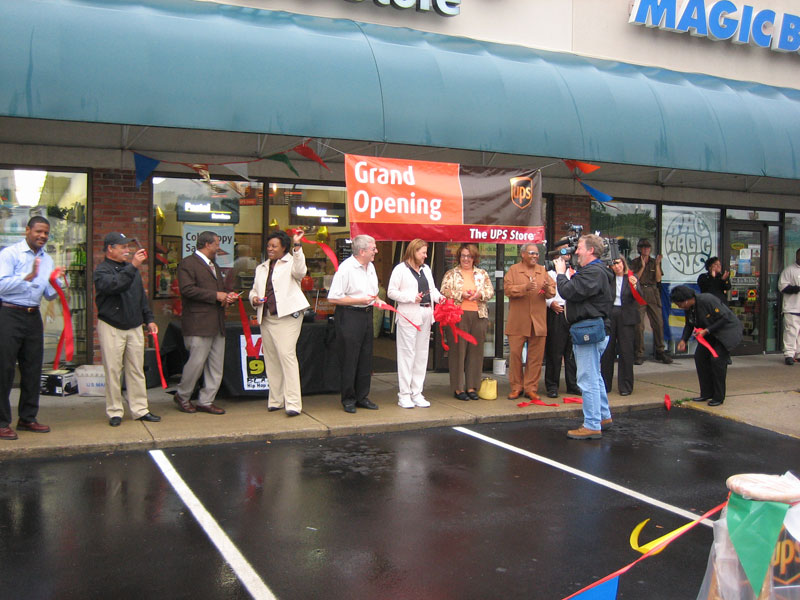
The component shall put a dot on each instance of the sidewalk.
(762, 391)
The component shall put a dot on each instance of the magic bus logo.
(687, 243)
(521, 191)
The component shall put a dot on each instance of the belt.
(27, 309)
(358, 308)
(426, 305)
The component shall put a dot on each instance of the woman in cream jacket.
(411, 286)
(279, 302)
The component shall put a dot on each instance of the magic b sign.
(393, 199)
(721, 20)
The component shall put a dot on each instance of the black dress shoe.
(150, 417)
(367, 403)
(638, 361)
(700, 399)
(551, 394)
(292, 413)
(350, 408)
(576, 391)
(461, 396)
(715, 402)
(115, 421)
(624, 393)
(473, 395)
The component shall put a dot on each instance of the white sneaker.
(403, 403)
(421, 402)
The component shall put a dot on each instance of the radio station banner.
(392, 199)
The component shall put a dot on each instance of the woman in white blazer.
(411, 287)
(280, 302)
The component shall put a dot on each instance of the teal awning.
(184, 64)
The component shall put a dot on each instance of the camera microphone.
(562, 252)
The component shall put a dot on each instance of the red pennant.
(158, 360)
(703, 341)
(583, 167)
(636, 295)
(66, 340)
(667, 402)
(305, 151)
(250, 349)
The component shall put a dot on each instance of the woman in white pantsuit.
(280, 302)
(411, 287)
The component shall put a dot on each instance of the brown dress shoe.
(6, 433)
(581, 433)
(605, 424)
(210, 408)
(515, 395)
(32, 426)
(184, 405)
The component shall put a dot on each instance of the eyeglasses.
(532, 252)
(466, 257)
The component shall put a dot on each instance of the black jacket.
(711, 314)
(589, 293)
(714, 285)
(121, 301)
(630, 308)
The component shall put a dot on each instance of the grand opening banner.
(392, 199)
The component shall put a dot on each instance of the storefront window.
(627, 222)
(690, 235)
(751, 215)
(61, 199)
(183, 208)
(791, 238)
(773, 272)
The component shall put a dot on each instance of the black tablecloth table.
(316, 355)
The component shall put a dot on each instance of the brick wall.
(117, 206)
(570, 209)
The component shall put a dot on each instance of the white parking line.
(588, 476)
(246, 574)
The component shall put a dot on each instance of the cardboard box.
(91, 380)
(58, 383)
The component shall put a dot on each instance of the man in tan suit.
(203, 322)
(527, 286)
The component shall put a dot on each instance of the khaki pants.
(279, 344)
(123, 349)
(652, 311)
(206, 358)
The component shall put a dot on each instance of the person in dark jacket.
(711, 320)
(714, 281)
(122, 309)
(624, 317)
(589, 296)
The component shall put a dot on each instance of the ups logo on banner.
(521, 191)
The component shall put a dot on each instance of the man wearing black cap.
(648, 272)
(713, 322)
(121, 310)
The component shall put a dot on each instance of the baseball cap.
(643, 243)
(114, 238)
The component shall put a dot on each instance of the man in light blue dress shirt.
(25, 271)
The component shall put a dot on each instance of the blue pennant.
(144, 166)
(596, 194)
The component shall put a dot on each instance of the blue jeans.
(590, 380)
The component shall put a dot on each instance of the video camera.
(570, 241)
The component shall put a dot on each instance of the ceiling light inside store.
(29, 186)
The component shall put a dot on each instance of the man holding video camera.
(589, 296)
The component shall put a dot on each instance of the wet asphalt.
(422, 514)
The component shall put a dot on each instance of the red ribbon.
(325, 248)
(447, 313)
(655, 550)
(703, 341)
(158, 360)
(379, 304)
(636, 295)
(250, 349)
(573, 400)
(535, 401)
(66, 340)
(667, 402)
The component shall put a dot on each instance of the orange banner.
(392, 199)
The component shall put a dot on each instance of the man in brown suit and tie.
(203, 321)
(527, 286)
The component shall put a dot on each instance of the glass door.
(747, 265)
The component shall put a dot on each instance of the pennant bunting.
(605, 591)
(754, 527)
(144, 166)
(583, 167)
(596, 194)
(284, 159)
(240, 168)
(305, 151)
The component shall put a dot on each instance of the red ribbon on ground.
(667, 402)
(66, 340)
(636, 295)
(573, 400)
(250, 349)
(701, 339)
(654, 550)
(381, 305)
(158, 360)
(536, 401)
(447, 313)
